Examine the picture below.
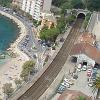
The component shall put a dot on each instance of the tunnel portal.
(81, 15)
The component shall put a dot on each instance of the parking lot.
(81, 80)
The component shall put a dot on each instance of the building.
(48, 20)
(73, 95)
(85, 50)
(35, 7)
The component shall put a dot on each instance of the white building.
(36, 7)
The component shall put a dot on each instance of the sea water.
(9, 32)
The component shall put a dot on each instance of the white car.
(84, 68)
(66, 84)
(79, 67)
(66, 80)
(90, 84)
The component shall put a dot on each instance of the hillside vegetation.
(84, 4)
(5, 2)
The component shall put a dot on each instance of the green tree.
(66, 5)
(18, 82)
(97, 83)
(86, 3)
(61, 23)
(77, 4)
(94, 5)
(49, 34)
(27, 68)
(70, 19)
(7, 89)
(6, 3)
(58, 2)
(81, 98)
(85, 23)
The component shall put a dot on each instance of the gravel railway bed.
(46, 79)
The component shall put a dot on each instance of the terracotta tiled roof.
(87, 38)
(87, 49)
(72, 95)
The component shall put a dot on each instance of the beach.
(13, 67)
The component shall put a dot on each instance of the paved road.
(40, 86)
(32, 40)
(92, 22)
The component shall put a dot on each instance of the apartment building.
(36, 7)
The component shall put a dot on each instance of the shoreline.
(13, 67)
(23, 32)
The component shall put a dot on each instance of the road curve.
(46, 79)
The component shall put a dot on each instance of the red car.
(89, 72)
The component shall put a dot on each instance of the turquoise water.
(3, 61)
(9, 32)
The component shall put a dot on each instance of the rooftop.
(72, 95)
(87, 38)
(49, 17)
(86, 45)
(87, 49)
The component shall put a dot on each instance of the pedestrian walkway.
(92, 22)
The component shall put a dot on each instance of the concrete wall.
(47, 5)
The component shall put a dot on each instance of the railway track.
(42, 84)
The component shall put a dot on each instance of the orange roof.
(87, 49)
(72, 95)
(87, 38)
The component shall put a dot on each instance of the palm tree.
(96, 84)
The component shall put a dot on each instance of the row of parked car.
(45, 43)
(27, 39)
(91, 73)
(66, 83)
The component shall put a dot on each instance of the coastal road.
(42, 84)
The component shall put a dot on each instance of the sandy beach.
(12, 69)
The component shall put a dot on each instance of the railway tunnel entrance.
(81, 15)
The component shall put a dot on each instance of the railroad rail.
(42, 84)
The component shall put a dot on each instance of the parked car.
(84, 67)
(89, 72)
(67, 85)
(94, 70)
(69, 81)
(61, 88)
(90, 84)
(93, 76)
(66, 80)
(79, 67)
